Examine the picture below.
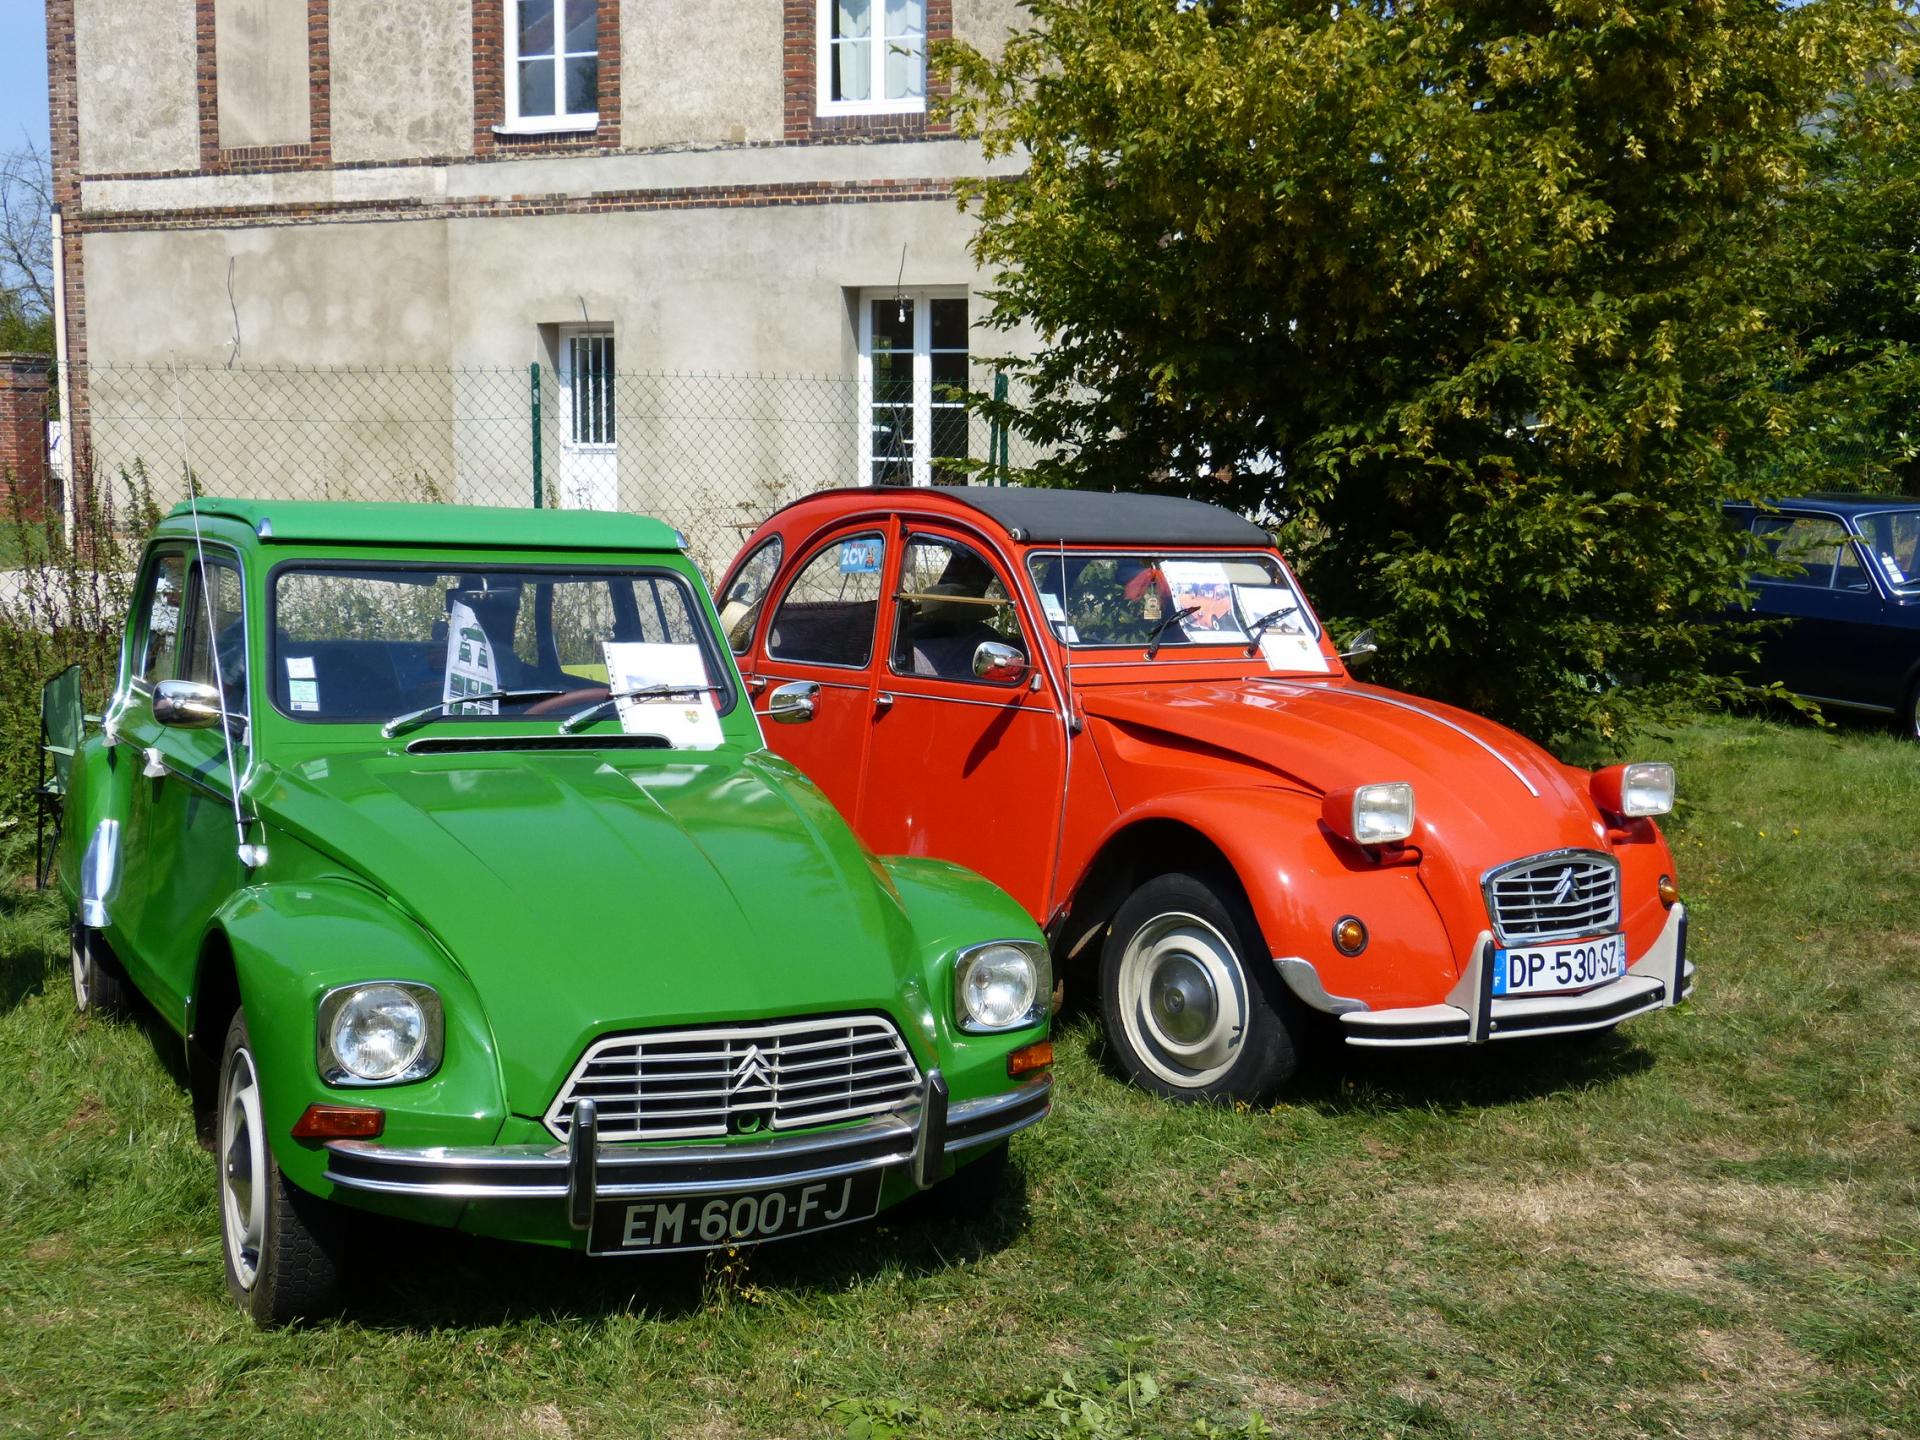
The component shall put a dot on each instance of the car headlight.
(379, 1032)
(1633, 791)
(1002, 985)
(1371, 814)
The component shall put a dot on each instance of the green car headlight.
(1001, 985)
(379, 1032)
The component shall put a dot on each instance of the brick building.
(594, 185)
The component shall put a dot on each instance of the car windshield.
(1892, 538)
(382, 643)
(1138, 598)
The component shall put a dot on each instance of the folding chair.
(62, 722)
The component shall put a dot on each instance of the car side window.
(1815, 543)
(1848, 572)
(949, 603)
(827, 615)
(745, 592)
(160, 618)
(224, 639)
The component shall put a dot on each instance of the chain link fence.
(710, 454)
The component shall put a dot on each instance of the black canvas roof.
(1079, 517)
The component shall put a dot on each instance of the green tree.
(1472, 297)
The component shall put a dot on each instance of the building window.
(913, 381)
(553, 65)
(873, 56)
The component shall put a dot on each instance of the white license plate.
(1567, 965)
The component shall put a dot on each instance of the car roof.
(1081, 516)
(383, 523)
(1837, 503)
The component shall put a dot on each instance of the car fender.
(949, 908)
(290, 943)
(1300, 880)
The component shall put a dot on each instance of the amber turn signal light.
(1350, 935)
(1669, 892)
(340, 1122)
(1037, 1056)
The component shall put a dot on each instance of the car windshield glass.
(1125, 597)
(386, 644)
(1893, 540)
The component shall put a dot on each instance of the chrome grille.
(1554, 897)
(736, 1079)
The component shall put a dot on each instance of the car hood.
(1482, 794)
(587, 892)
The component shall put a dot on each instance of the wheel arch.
(211, 1001)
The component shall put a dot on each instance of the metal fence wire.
(709, 454)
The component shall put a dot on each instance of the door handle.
(882, 701)
(755, 682)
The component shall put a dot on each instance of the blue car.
(1855, 605)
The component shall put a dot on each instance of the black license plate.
(704, 1221)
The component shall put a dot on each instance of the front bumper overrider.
(1472, 1014)
(918, 1139)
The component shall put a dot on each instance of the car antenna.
(251, 856)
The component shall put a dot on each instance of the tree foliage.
(1476, 297)
(26, 251)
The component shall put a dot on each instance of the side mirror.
(1361, 646)
(1000, 664)
(186, 704)
(793, 704)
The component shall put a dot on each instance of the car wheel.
(281, 1243)
(100, 986)
(1194, 1010)
(1910, 714)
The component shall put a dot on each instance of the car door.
(961, 767)
(822, 630)
(1828, 649)
(152, 657)
(190, 855)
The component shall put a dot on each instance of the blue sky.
(23, 72)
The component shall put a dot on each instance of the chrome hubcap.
(1183, 1000)
(243, 1180)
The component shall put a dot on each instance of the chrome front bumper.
(918, 1138)
(1472, 1014)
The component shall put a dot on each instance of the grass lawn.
(1705, 1225)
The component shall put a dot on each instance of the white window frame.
(825, 104)
(554, 124)
(921, 464)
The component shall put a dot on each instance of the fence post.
(533, 371)
(997, 435)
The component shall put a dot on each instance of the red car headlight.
(1633, 791)
(1371, 814)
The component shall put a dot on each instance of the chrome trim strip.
(1398, 704)
(771, 679)
(542, 1172)
(1847, 704)
(1305, 983)
(1013, 702)
(99, 875)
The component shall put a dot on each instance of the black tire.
(1909, 721)
(1194, 1009)
(100, 986)
(282, 1257)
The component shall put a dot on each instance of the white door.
(589, 453)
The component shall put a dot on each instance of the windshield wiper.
(646, 692)
(1260, 626)
(1153, 635)
(433, 712)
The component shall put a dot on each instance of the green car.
(511, 921)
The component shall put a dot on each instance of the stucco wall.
(261, 69)
(139, 109)
(984, 23)
(696, 74)
(402, 78)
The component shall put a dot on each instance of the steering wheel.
(572, 700)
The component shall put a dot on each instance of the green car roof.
(378, 523)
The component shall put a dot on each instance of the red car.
(1122, 709)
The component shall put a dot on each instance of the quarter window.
(160, 637)
(553, 65)
(913, 383)
(745, 594)
(873, 56)
(827, 615)
(950, 603)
